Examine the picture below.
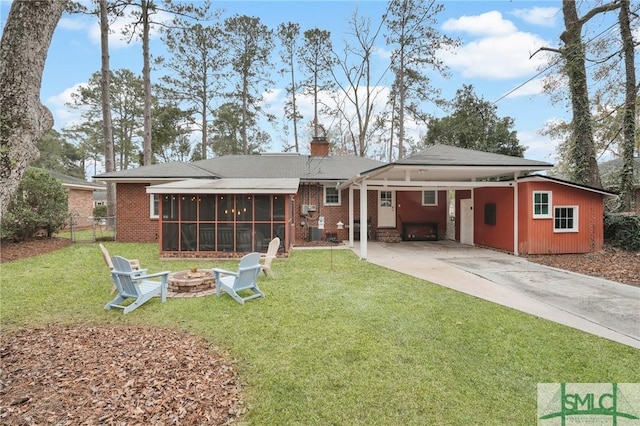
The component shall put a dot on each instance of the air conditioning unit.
(305, 209)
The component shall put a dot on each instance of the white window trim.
(575, 219)
(533, 205)
(151, 205)
(436, 197)
(324, 196)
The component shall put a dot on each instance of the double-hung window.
(542, 205)
(430, 198)
(332, 196)
(154, 210)
(565, 219)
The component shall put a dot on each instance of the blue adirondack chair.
(244, 279)
(133, 285)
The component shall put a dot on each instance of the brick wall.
(313, 194)
(80, 202)
(134, 224)
(132, 206)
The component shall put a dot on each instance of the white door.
(466, 221)
(386, 209)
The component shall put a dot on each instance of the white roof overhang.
(435, 176)
(227, 186)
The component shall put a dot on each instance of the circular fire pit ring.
(191, 283)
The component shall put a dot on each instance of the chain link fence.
(89, 229)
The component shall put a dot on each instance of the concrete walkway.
(597, 306)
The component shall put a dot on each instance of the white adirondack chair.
(131, 284)
(267, 258)
(245, 279)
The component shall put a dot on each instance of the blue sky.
(497, 40)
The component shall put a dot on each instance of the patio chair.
(132, 284)
(135, 264)
(268, 257)
(245, 279)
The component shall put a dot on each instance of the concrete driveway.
(601, 307)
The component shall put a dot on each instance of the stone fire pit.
(193, 281)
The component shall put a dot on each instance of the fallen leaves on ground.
(612, 264)
(114, 375)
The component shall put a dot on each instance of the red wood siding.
(500, 235)
(410, 209)
(537, 236)
(133, 223)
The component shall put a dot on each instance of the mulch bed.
(612, 264)
(114, 376)
(10, 250)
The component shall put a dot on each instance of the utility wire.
(554, 63)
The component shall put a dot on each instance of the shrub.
(622, 230)
(100, 211)
(40, 202)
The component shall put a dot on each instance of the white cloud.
(487, 24)
(493, 48)
(543, 16)
(63, 115)
(498, 58)
(530, 88)
(540, 148)
(91, 27)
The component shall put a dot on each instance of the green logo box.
(569, 404)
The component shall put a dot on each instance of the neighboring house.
(99, 198)
(234, 204)
(80, 194)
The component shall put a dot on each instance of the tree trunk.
(583, 152)
(107, 125)
(629, 125)
(23, 119)
(146, 79)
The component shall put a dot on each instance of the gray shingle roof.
(445, 155)
(175, 169)
(255, 167)
(74, 181)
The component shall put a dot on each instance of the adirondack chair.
(268, 257)
(244, 279)
(135, 264)
(131, 284)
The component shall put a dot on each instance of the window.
(565, 219)
(490, 214)
(542, 205)
(154, 210)
(331, 196)
(429, 198)
(386, 199)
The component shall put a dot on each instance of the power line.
(554, 63)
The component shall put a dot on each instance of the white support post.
(350, 221)
(363, 220)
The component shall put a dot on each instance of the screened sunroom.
(202, 217)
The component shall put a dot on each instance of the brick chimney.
(319, 147)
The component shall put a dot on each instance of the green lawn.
(338, 341)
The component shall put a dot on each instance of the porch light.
(340, 225)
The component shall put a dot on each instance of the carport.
(440, 168)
